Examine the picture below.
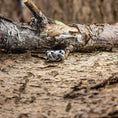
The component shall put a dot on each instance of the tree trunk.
(93, 37)
(45, 35)
(11, 9)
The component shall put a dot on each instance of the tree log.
(50, 36)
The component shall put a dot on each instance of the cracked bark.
(46, 35)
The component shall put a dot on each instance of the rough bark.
(93, 37)
(19, 38)
(14, 37)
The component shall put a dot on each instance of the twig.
(36, 12)
(111, 80)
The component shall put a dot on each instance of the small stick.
(68, 50)
(111, 80)
(36, 12)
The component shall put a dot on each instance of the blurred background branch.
(67, 11)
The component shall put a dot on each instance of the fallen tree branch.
(49, 36)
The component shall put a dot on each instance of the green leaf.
(58, 22)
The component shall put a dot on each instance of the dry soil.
(32, 88)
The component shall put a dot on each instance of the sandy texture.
(31, 88)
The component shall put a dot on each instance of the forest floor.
(32, 88)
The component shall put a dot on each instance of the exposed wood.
(15, 37)
(36, 12)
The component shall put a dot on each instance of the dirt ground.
(32, 88)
